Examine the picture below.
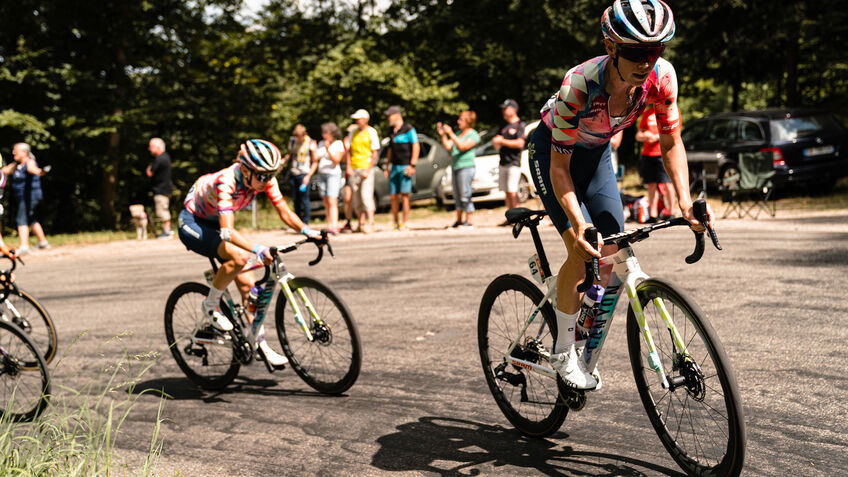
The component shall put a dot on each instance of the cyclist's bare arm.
(674, 160)
(288, 217)
(560, 174)
(227, 221)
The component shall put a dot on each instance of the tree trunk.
(793, 95)
(109, 183)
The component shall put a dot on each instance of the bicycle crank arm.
(530, 366)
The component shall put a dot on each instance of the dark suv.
(809, 146)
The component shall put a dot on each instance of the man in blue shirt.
(403, 152)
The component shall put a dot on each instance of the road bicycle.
(23, 310)
(682, 373)
(314, 325)
(24, 378)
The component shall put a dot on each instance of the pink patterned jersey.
(579, 113)
(224, 192)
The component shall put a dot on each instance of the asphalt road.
(776, 297)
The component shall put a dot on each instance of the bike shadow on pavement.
(181, 388)
(454, 447)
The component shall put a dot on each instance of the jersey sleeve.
(225, 187)
(521, 134)
(375, 139)
(413, 136)
(665, 103)
(570, 102)
(272, 190)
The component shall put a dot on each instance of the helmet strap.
(615, 64)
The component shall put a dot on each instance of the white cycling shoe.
(572, 369)
(267, 354)
(218, 320)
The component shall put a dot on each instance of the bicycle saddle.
(523, 214)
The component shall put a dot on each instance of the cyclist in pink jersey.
(570, 156)
(206, 225)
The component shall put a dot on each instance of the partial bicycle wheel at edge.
(24, 311)
(529, 400)
(332, 361)
(24, 390)
(700, 422)
(208, 366)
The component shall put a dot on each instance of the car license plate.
(818, 151)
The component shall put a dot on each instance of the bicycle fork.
(626, 265)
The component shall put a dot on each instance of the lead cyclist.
(570, 156)
(206, 226)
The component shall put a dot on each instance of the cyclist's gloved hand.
(584, 249)
(263, 253)
(309, 232)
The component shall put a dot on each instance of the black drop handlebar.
(699, 210)
(319, 242)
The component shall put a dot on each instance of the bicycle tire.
(34, 320)
(184, 302)
(342, 330)
(21, 385)
(549, 414)
(721, 450)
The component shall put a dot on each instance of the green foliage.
(88, 83)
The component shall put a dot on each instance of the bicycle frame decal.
(602, 323)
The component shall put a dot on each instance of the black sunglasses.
(641, 54)
(262, 177)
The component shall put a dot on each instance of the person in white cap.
(362, 153)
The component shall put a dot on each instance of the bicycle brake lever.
(699, 210)
(593, 270)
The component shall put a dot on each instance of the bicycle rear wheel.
(700, 420)
(331, 362)
(211, 362)
(24, 311)
(529, 400)
(24, 388)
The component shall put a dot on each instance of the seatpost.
(537, 241)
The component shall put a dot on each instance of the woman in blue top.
(25, 176)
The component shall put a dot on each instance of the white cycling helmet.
(638, 22)
(260, 156)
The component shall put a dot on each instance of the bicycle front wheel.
(699, 420)
(528, 399)
(330, 363)
(204, 354)
(24, 387)
(23, 310)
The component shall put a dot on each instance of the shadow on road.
(453, 447)
(181, 388)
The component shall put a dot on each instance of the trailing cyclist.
(206, 226)
(570, 157)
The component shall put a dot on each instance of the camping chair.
(755, 186)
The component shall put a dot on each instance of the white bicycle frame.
(626, 276)
(281, 277)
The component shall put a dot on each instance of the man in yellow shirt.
(362, 156)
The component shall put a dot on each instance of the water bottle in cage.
(588, 312)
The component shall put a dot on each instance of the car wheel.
(524, 193)
(729, 177)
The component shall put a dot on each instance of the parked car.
(809, 146)
(484, 187)
(432, 161)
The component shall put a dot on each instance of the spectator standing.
(510, 142)
(403, 153)
(462, 151)
(651, 165)
(364, 146)
(26, 191)
(329, 153)
(301, 158)
(348, 192)
(160, 171)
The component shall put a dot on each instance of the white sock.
(214, 296)
(260, 334)
(565, 330)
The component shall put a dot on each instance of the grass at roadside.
(76, 435)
